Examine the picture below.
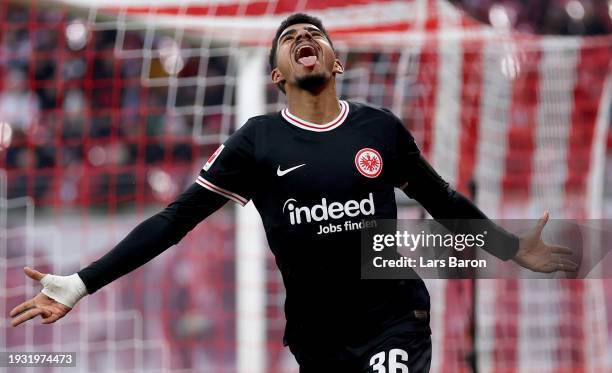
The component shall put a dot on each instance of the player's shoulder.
(260, 122)
(363, 108)
(265, 119)
(373, 114)
(256, 123)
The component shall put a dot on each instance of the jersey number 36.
(394, 363)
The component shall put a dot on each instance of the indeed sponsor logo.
(323, 211)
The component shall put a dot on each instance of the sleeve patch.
(213, 157)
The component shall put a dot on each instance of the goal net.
(108, 109)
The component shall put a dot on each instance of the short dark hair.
(294, 19)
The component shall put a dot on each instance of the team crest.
(369, 162)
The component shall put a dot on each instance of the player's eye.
(319, 35)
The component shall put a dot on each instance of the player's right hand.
(49, 309)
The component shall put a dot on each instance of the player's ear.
(338, 67)
(277, 76)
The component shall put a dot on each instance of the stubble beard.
(313, 82)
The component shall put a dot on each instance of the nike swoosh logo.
(280, 172)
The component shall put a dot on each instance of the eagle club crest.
(369, 162)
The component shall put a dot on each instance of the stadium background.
(108, 111)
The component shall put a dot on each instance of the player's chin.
(312, 81)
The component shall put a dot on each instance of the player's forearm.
(152, 237)
(463, 216)
(457, 213)
(145, 242)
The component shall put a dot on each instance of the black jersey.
(313, 185)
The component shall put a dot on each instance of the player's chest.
(329, 165)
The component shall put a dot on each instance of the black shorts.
(393, 351)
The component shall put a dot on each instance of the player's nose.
(303, 34)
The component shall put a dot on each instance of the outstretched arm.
(452, 208)
(152, 237)
(149, 239)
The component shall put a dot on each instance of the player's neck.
(319, 109)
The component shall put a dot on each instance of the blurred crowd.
(553, 17)
(78, 108)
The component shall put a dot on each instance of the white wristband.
(64, 289)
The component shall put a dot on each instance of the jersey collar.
(344, 110)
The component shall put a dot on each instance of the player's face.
(305, 58)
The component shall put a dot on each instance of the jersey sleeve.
(412, 173)
(229, 170)
(405, 152)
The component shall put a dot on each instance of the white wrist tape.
(64, 289)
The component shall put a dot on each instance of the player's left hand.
(536, 255)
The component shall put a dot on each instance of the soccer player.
(312, 170)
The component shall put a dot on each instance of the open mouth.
(306, 55)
